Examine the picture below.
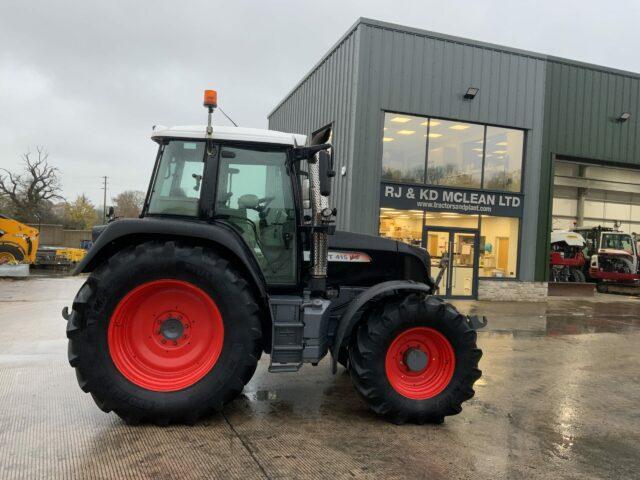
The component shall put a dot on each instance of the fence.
(56, 236)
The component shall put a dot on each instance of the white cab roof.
(238, 134)
(573, 239)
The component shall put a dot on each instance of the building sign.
(447, 199)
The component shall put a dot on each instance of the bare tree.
(29, 194)
(128, 203)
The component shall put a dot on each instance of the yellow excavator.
(18, 242)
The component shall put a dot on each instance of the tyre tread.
(81, 332)
(367, 351)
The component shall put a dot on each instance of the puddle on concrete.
(560, 327)
(265, 395)
(558, 317)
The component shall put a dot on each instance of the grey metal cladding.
(415, 72)
(584, 104)
(327, 95)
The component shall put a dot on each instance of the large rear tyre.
(415, 360)
(10, 254)
(164, 333)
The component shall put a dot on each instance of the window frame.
(426, 159)
(426, 144)
(479, 230)
(295, 193)
(524, 153)
(484, 149)
(156, 169)
(517, 275)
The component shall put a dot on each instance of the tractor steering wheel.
(263, 203)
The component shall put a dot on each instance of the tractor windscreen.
(616, 241)
(176, 189)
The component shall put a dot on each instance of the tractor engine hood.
(365, 260)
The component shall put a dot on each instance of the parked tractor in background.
(567, 258)
(18, 242)
(235, 254)
(612, 256)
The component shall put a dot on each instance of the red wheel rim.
(165, 335)
(426, 382)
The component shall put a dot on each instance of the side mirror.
(325, 166)
(111, 214)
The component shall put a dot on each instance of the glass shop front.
(455, 189)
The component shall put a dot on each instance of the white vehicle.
(612, 255)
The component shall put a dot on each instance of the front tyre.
(415, 360)
(577, 275)
(164, 333)
(10, 254)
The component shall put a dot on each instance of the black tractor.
(236, 253)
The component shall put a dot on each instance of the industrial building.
(471, 148)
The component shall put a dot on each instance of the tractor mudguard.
(349, 318)
(127, 231)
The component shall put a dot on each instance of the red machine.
(612, 255)
(567, 259)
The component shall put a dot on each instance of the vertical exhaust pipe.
(322, 218)
(319, 246)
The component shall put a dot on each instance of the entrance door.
(503, 254)
(460, 248)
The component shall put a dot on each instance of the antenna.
(228, 117)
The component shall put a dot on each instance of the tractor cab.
(612, 255)
(239, 177)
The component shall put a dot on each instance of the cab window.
(617, 242)
(176, 189)
(254, 195)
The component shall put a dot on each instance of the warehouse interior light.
(400, 119)
(624, 116)
(471, 93)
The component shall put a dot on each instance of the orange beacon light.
(210, 98)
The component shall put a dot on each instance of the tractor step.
(287, 334)
(284, 368)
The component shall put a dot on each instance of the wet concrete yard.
(558, 399)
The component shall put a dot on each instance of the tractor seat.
(248, 201)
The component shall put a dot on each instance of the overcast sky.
(88, 79)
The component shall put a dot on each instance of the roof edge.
(494, 46)
(318, 64)
(451, 38)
